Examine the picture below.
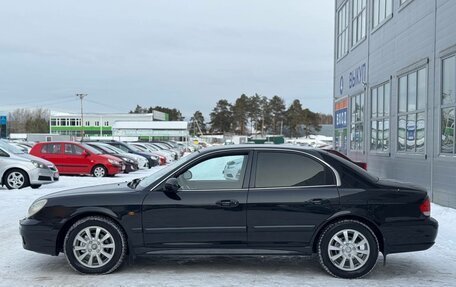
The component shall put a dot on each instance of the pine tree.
(221, 117)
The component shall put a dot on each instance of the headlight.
(114, 162)
(39, 164)
(36, 206)
(154, 157)
(127, 160)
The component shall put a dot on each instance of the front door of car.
(76, 159)
(207, 211)
(291, 194)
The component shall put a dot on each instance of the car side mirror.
(172, 185)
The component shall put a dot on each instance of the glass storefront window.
(357, 126)
(380, 117)
(411, 112)
(448, 106)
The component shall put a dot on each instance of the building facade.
(394, 90)
(96, 124)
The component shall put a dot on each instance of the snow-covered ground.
(18, 267)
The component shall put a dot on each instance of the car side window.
(53, 148)
(3, 153)
(223, 172)
(73, 149)
(284, 169)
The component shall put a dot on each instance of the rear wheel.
(16, 179)
(99, 171)
(348, 249)
(95, 245)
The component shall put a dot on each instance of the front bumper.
(407, 236)
(43, 176)
(38, 237)
(114, 169)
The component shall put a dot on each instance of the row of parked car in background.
(25, 164)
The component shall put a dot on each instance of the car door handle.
(227, 203)
(316, 201)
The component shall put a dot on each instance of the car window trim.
(247, 176)
(321, 161)
(294, 187)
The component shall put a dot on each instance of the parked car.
(165, 157)
(19, 169)
(130, 163)
(361, 164)
(175, 152)
(78, 158)
(142, 161)
(171, 155)
(152, 159)
(287, 200)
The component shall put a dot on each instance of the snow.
(18, 267)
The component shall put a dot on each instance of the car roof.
(271, 147)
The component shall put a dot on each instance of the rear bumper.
(407, 236)
(38, 237)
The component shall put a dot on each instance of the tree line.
(28, 121)
(249, 115)
(258, 114)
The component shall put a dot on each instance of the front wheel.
(99, 171)
(16, 179)
(95, 245)
(348, 249)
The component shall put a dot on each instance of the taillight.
(425, 207)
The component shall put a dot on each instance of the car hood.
(35, 158)
(121, 187)
(108, 156)
(390, 183)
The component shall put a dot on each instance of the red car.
(77, 158)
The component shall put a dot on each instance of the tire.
(108, 258)
(348, 249)
(35, 186)
(99, 171)
(16, 179)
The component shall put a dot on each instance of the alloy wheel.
(348, 250)
(16, 180)
(93, 247)
(99, 171)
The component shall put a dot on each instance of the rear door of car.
(53, 152)
(207, 212)
(291, 194)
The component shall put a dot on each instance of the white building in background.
(145, 130)
(96, 124)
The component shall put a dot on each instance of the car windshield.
(114, 149)
(10, 148)
(145, 182)
(133, 148)
(91, 149)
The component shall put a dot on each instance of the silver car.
(19, 170)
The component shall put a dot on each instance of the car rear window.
(285, 169)
(52, 148)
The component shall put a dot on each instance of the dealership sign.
(340, 113)
(3, 120)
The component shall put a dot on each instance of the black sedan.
(282, 200)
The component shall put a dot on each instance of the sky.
(175, 53)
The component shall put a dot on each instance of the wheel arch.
(82, 214)
(11, 169)
(351, 216)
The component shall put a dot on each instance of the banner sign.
(340, 113)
